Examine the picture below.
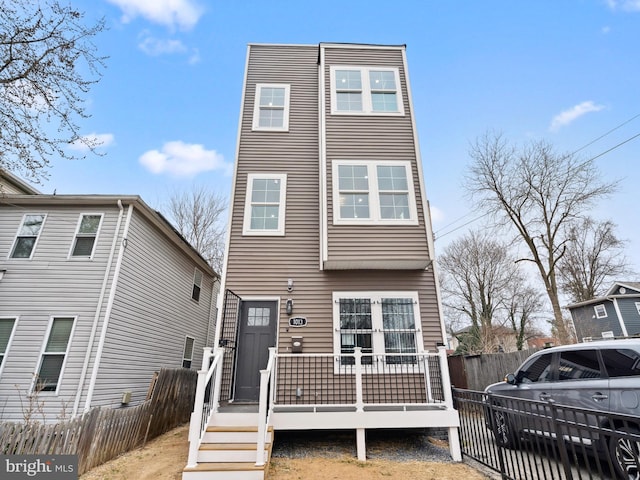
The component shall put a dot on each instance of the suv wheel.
(625, 454)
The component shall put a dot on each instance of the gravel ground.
(393, 445)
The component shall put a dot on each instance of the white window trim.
(256, 108)
(246, 228)
(377, 338)
(11, 335)
(35, 244)
(196, 284)
(638, 307)
(367, 104)
(70, 256)
(599, 314)
(374, 194)
(43, 352)
(184, 351)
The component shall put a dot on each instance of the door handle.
(544, 397)
(598, 397)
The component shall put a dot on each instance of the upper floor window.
(27, 236)
(366, 90)
(6, 332)
(600, 310)
(54, 354)
(373, 192)
(197, 285)
(187, 352)
(271, 108)
(265, 204)
(86, 234)
(638, 307)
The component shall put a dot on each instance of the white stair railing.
(209, 375)
(265, 405)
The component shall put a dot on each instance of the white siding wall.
(48, 285)
(152, 313)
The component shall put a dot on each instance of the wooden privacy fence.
(475, 372)
(104, 433)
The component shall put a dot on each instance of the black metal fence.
(524, 439)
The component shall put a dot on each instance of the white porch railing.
(266, 403)
(206, 400)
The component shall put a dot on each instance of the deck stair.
(228, 450)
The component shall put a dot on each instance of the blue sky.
(167, 107)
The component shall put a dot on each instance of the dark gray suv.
(598, 376)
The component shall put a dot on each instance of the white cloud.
(437, 215)
(96, 140)
(171, 13)
(625, 5)
(156, 46)
(182, 159)
(606, 29)
(566, 117)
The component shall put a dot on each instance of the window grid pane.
(355, 328)
(272, 97)
(27, 236)
(398, 324)
(258, 316)
(49, 374)
(83, 247)
(265, 204)
(59, 335)
(89, 224)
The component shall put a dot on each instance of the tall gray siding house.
(330, 316)
(97, 293)
(615, 314)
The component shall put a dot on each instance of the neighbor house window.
(85, 240)
(27, 236)
(187, 353)
(638, 307)
(601, 311)
(265, 204)
(380, 323)
(54, 354)
(6, 332)
(271, 108)
(366, 90)
(197, 285)
(373, 192)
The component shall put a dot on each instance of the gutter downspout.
(623, 327)
(96, 318)
(107, 315)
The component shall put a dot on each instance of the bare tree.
(538, 192)
(522, 305)
(594, 257)
(197, 214)
(47, 63)
(477, 272)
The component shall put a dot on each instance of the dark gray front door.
(256, 334)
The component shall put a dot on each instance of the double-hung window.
(373, 192)
(271, 108)
(27, 236)
(600, 311)
(86, 234)
(6, 333)
(383, 324)
(54, 354)
(187, 352)
(265, 204)
(366, 91)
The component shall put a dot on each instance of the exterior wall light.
(289, 306)
(290, 285)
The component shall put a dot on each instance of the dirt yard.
(165, 457)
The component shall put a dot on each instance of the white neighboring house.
(97, 292)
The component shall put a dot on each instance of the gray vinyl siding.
(152, 313)
(587, 325)
(48, 285)
(630, 314)
(368, 137)
(259, 266)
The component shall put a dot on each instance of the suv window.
(537, 371)
(579, 364)
(621, 362)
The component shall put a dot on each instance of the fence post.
(219, 353)
(454, 440)
(195, 427)
(359, 396)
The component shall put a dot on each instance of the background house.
(615, 314)
(97, 293)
